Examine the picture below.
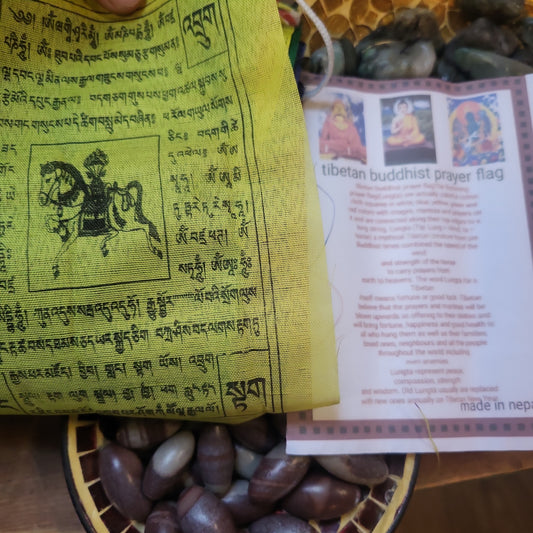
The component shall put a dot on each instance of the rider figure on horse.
(94, 212)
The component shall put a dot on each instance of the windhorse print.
(83, 204)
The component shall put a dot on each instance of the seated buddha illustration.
(405, 130)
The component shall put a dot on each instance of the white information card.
(426, 196)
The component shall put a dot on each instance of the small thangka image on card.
(475, 129)
(342, 131)
(407, 126)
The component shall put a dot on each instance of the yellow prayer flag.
(161, 248)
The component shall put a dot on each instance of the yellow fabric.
(161, 249)
(287, 34)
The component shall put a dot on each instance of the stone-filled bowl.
(379, 512)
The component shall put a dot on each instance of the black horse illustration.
(92, 207)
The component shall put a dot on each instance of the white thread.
(328, 43)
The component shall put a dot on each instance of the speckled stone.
(280, 523)
(216, 458)
(167, 463)
(121, 473)
(366, 469)
(481, 64)
(321, 496)
(498, 10)
(200, 511)
(277, 474)
(396, 60)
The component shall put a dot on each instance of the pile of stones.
(196, 477)
(496, 42)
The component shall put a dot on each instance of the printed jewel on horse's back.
(92, 207)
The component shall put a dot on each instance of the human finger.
(121, 7)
